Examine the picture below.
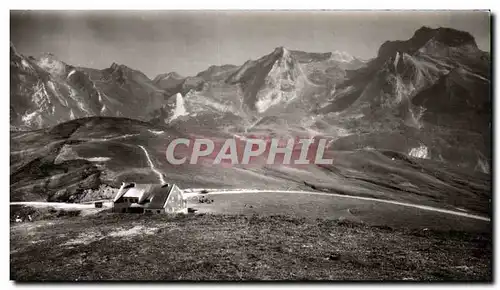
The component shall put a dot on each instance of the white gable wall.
(175, 203)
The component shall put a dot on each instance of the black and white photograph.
(251, 145)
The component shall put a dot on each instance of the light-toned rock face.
(179, 109)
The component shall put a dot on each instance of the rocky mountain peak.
(166, 76)
(447, 37)
(115, 66)
(280, 51)
(52, 64)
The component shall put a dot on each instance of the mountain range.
(427, 98)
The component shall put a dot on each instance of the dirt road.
(334, 206)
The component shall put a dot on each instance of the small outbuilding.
(150, 199)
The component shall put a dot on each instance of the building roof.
(123, 189)
(152, 196)
(138, 190)
(159, 196)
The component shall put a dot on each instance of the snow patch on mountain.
(42, 104)
(419, 152)
(55, 67)
(71, 73)
(396, 60)
(402, 91)
(341, 56)
(167, 76)
(41, 98)
(82, 106)
(26, 65)
(179, 109)
(97, 159)
(32, 118)
(53, 88)
(155, 132)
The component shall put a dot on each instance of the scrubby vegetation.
(217, 247)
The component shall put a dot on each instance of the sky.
(188, 42)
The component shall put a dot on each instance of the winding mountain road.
(332, 206)
(333, 195)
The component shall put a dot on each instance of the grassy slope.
(336, 207)
(240, 247)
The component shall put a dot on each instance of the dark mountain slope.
(432, 90)
(46, 91)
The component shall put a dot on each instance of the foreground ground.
(204, 247)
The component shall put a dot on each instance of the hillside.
(71, 161)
